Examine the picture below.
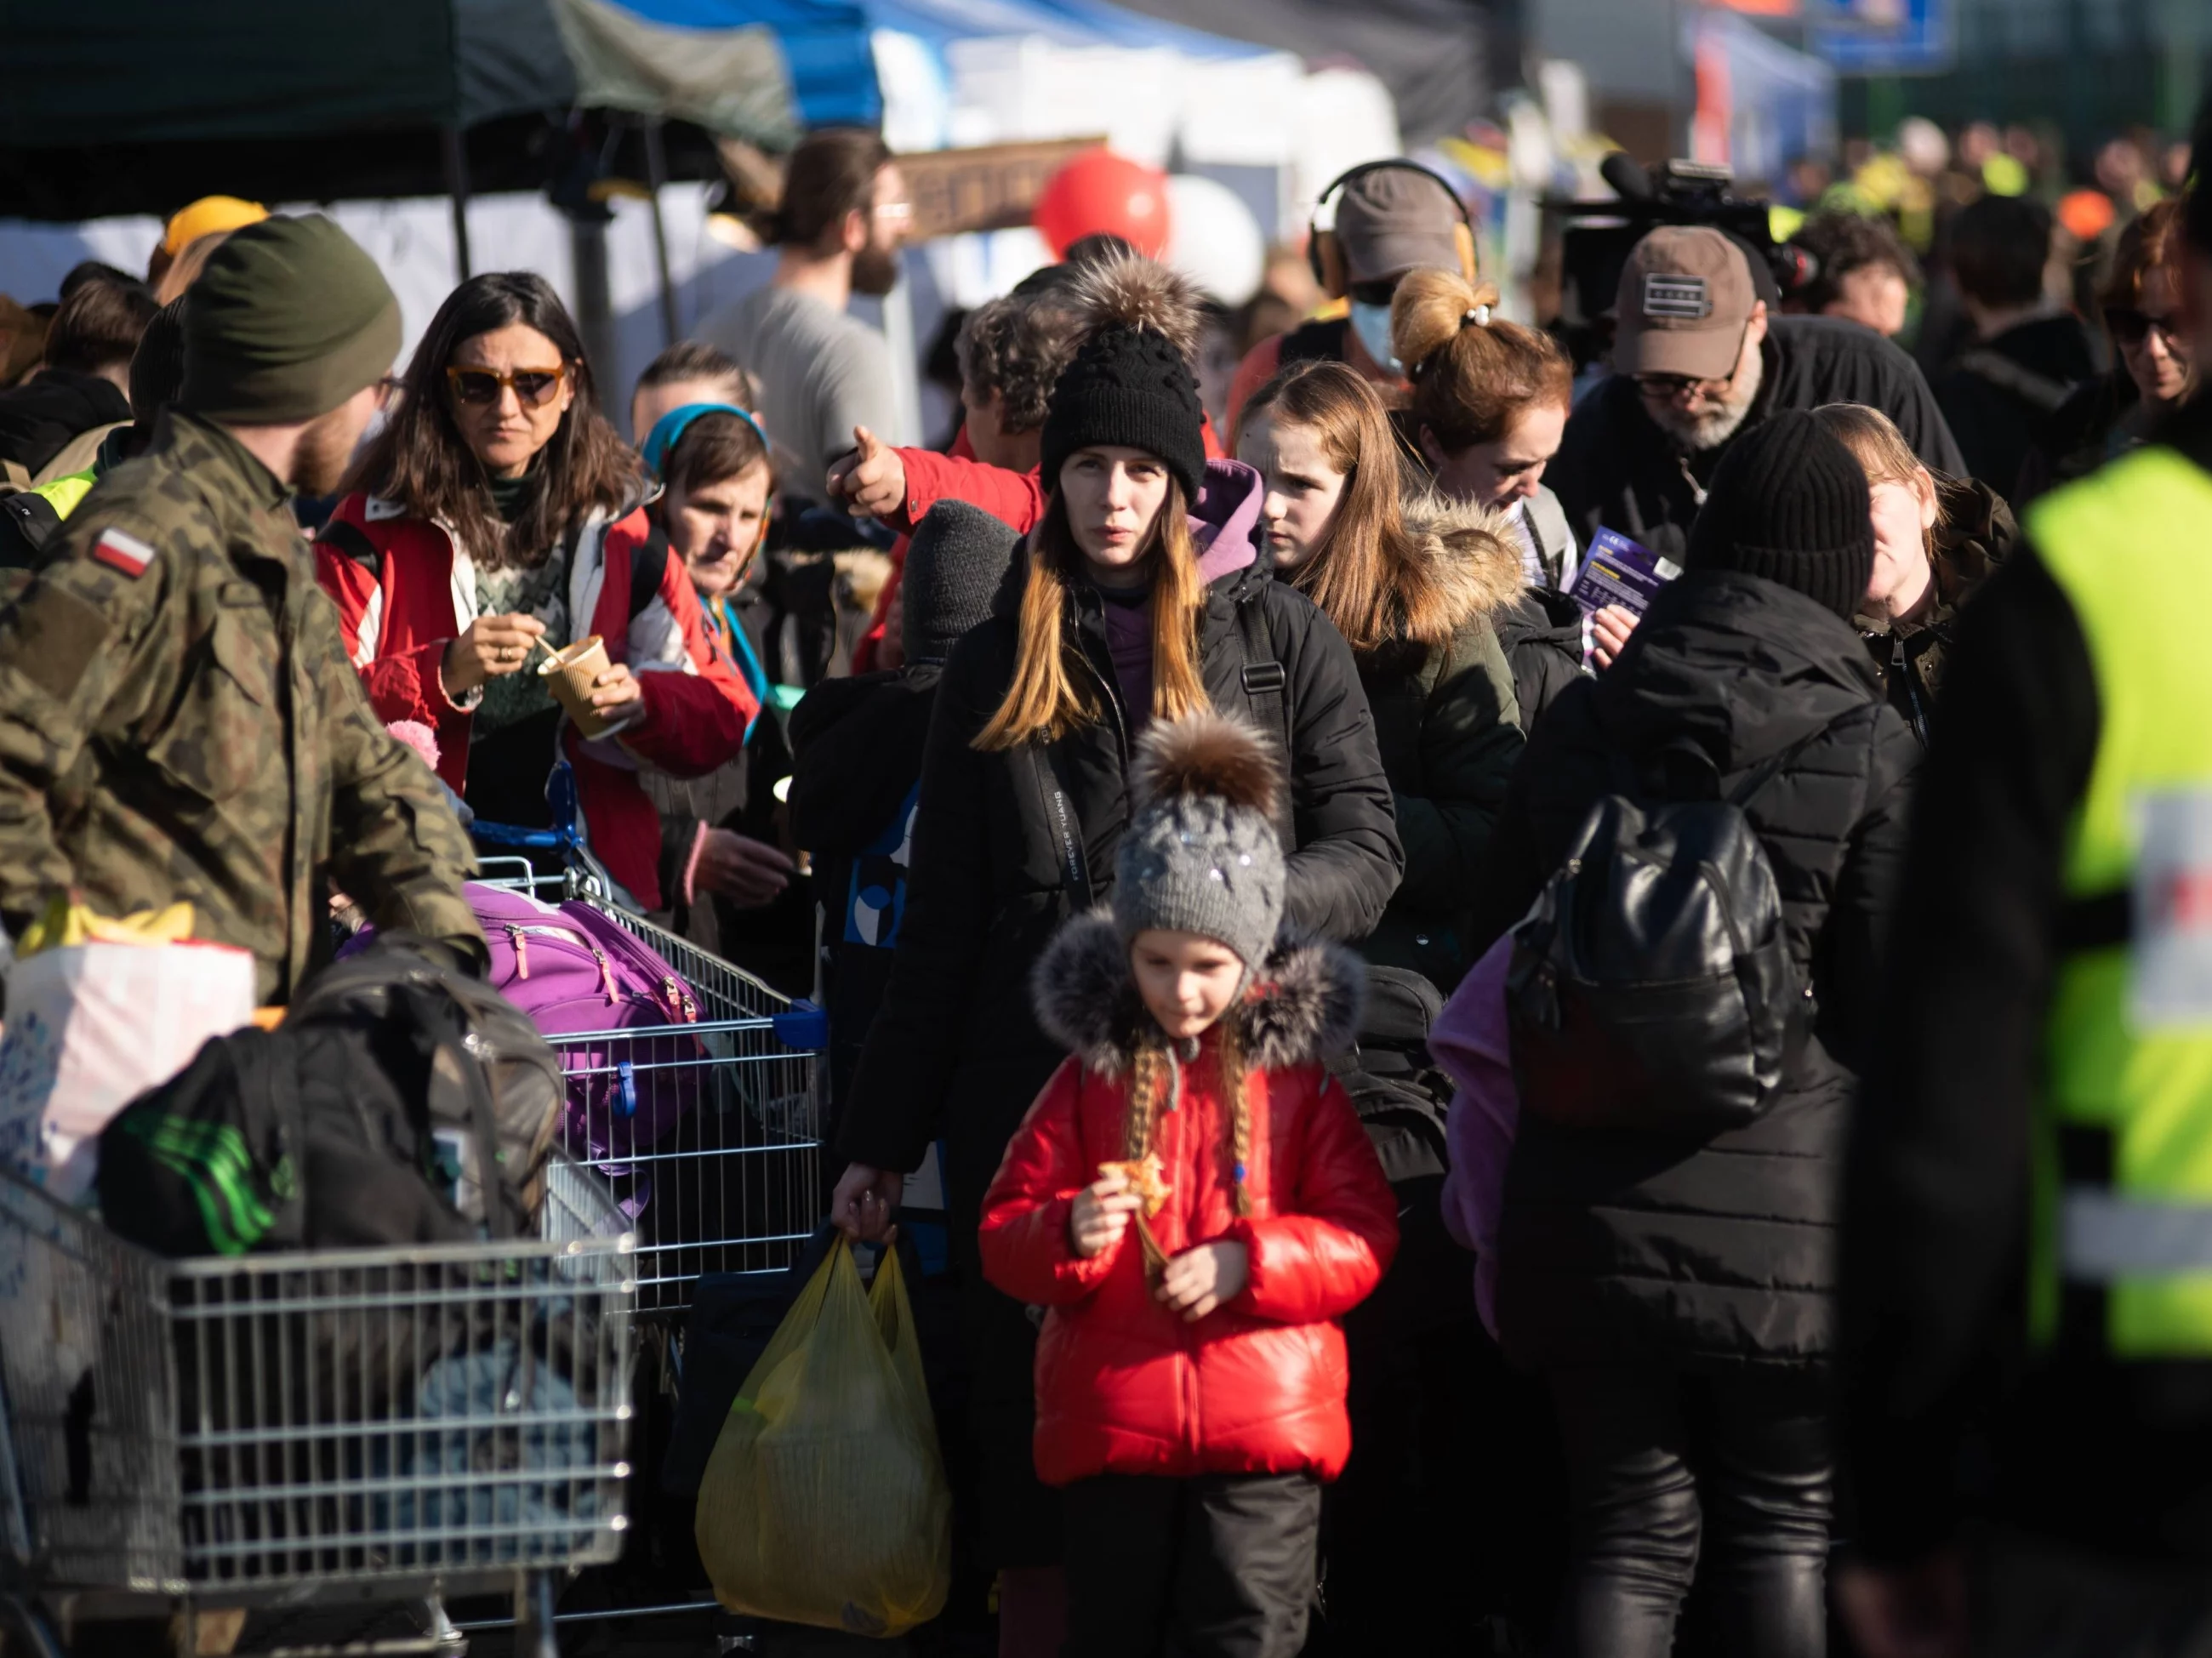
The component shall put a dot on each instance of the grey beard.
(1699, 433)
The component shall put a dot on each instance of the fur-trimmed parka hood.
(1304, 1002)
(1470, 556)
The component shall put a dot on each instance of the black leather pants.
(1673, 1477)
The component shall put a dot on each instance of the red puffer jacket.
(1123, 1385)
(402, 597)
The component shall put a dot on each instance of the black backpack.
(1652, 984)
(367, 1118)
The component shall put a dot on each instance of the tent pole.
(656, 175)
(456, 187)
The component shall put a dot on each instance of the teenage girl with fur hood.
(1194, 1201)
(1417, 588)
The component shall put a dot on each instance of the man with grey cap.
(1697, 359)
(1392, 216)
(178, 719)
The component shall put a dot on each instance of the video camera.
(1599, 235)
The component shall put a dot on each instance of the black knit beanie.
(1129, 387)
(1789, 503)
(954, 566)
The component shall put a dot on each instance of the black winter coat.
(1448, 729)
(1541, 632)
(1619, 1246)
(857, 744)
(955, 1048)
(1617, 469)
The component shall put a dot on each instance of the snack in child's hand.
(1144, 1177)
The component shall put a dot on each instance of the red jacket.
(402, 598)
(1124, 1386)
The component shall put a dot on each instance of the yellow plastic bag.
(825, 1501)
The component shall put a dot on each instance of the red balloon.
(1099, 191)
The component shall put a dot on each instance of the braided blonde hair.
(1152, 1080)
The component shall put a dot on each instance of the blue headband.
(671, 425)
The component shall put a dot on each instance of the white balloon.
(1213, 239)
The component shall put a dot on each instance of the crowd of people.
(1188, 854)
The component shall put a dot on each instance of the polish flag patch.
(119, 551)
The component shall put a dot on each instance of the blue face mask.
(1373, 324)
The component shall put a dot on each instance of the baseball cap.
(1686, 298)
(1394, 220)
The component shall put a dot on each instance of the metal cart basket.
(735, 1184)
(273, 1431)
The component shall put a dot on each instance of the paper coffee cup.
(571, 674)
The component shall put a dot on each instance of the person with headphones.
(1391, 217)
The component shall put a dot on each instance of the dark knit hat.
(1130, 383)
(1789, 503)
(1201, 854)
(157, 367)
(289, 320)
(955, 564)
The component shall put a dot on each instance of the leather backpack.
(1652, 985)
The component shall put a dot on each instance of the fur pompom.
(1208, 754)
(1128, 290)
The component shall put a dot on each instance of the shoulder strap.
(1765, 772)
(32, 519)
(2039, 390)
(1066, 829)
(348, 540)
(1263, 678)
(77, 454)
(648, 563)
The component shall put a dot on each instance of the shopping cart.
(394, 1426)
(735, 1185)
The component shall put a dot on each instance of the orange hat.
(207, 216)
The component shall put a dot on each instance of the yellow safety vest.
(2128, 1057)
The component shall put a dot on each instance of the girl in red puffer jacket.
(1194, 1201)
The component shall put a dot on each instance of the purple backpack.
(573, 970)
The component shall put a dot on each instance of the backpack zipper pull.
(519, 938)
(679, 1003)
(606, 975)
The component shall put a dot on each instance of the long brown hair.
(421, 460)
(1367, 577)
(1472, 374)
(1045, 700)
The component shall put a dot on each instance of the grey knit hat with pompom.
(1203, 854)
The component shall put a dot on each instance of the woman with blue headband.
(720, 831)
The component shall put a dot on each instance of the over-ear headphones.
(1325, 253)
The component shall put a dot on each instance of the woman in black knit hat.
(1145, 591)
(1676, 1288)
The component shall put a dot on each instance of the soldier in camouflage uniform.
(178, 719)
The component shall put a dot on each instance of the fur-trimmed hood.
(1304, 1004)
(1469, 556)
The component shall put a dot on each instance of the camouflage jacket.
(178, 720)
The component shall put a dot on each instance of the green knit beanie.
(289, 320)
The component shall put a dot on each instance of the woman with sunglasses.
(720, 831)
(2151, 372)
(497, 517)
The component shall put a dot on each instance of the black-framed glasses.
(1712, 385)
(532, 387)
(2131, 327)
